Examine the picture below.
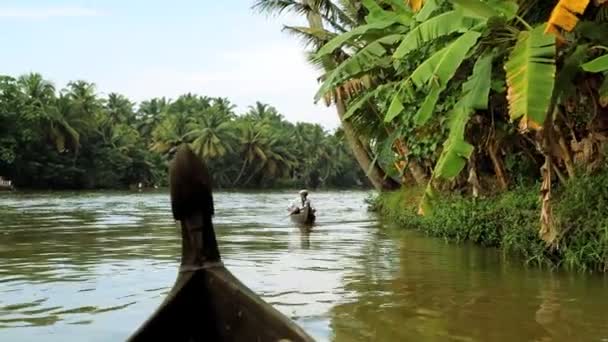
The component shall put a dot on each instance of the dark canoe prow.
(306, 217)
(207, 302)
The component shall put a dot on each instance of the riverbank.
(510, 221)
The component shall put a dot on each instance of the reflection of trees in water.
(424, 289)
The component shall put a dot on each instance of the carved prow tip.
(190, 184)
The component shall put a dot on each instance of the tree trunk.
(417, 171)
(565, 154)
(375, 174)
(238, 178)
(499, 168)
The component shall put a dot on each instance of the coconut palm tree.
(213, 136)
(318, 14)
(119, 108)
(149, 115)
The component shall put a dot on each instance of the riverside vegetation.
(75, 139)
(476, 120)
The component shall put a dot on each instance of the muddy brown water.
(93, 265)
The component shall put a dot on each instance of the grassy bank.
(510, 221)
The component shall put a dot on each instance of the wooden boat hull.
(212, 305)
(304, 217)
(207, 303)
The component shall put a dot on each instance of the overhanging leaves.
(439, 69)
(487, 9)
(376, 13)
(367, 58)
(530, 76)
(456, 150)
(340, 40)
(429, 7)
(599, 64)
(442, 65)
(438, 26)
(395, 108)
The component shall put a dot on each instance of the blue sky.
(154, 48)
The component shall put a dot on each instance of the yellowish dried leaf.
(564, 15)
(563, 18)
(576, 6)
(416, 5)
(526, 124)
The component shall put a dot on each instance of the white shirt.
(298, 204)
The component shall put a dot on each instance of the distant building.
(5, 184)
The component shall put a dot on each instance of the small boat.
(305, 216)
(207, 302)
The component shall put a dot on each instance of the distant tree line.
(75, 139)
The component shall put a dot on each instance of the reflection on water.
(93, 266)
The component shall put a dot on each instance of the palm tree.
(54, 114)
(83, 96)
(213, 136)
(150, 114)
(264, 112)
(318, 14)
(64, 126)
(36, 88)
(252, 142)
(171, 132)
(223, 105)
(119, 108)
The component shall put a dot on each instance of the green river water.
(92, 267)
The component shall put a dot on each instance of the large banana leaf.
(599, 64)
(440, 68)
(443, 63)
(438, 26)
(340, 40)
(395, 108)
(476, 92)
(377, 13)
(366, 59)
(429, 7)
(487, 9)
(456, 151)
(530, 76)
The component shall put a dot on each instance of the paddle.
(192, 203)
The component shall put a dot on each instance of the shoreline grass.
(510, 221)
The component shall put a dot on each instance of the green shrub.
(510, 221)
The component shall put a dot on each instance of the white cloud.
(50, 12)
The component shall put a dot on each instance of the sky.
(151, 48)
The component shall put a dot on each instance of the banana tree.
(452, 40)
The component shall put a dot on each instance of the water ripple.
(77, 266)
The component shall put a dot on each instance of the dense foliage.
(514, 92)
(509, 221)
(74, 138)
